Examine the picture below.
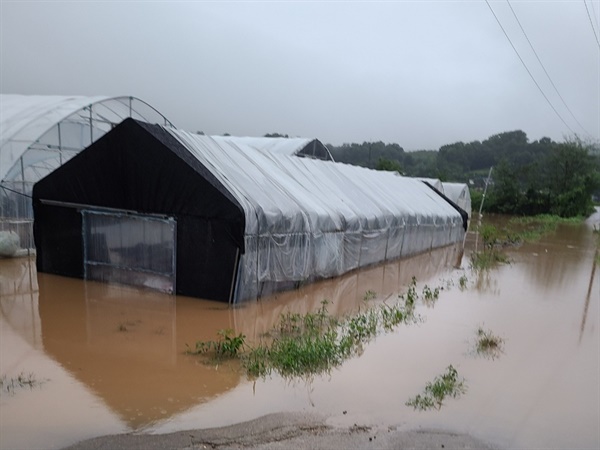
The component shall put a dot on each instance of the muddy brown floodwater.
(110, 359)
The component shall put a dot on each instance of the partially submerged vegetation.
(314, 343)
(305, 345)
(491, 255)
(443, 386)
(227, 346)
(518, 231)
(532, 228)
(487, 344)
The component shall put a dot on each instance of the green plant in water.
(491, 255)
(369, 295)
(462, 282)
(532, 228)
(490, 236)
(227, 346)
(314, 343)
(487, 344)
(430, 296)
(443, 386)
(488, 259)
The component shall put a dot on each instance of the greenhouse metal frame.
(40, 133)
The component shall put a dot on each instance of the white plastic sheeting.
(35, 128)
(459, 193)
(308, 219)
(278, 146)
(39, 133)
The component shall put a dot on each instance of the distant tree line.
(528, 178)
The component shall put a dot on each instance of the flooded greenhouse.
(214, 217)
(114, 357)
(129, 213)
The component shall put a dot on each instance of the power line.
(591, 22)
(545, 71)
(527, 69)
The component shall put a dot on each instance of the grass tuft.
(442, 386)
(305, 345)
(487, 344)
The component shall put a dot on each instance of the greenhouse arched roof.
(303, 147)
(40, 132)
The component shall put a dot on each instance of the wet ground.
(109, 359)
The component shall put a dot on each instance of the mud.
(114, 358)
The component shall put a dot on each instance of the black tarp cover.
(142, 168)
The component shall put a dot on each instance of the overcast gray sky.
(421, 74)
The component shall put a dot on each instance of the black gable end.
(140, 167)
(142, 170)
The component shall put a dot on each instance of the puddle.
(114, 356)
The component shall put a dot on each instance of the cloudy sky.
(418, 73)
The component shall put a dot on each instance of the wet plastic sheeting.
(130, 249)
(328, 254)
(290, 220)
(394, 246)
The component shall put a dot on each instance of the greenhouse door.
(129, 249)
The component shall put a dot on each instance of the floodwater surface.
(109, 359)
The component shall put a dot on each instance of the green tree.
(389, 165)
(506, 195)
(573, 175)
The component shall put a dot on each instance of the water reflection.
(127, 344)
(345, 294)
(554, 260)
(18, 295)
(588, 297)
(122, 349)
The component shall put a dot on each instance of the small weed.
(462, 282)
(445, 385)
(430, 296)
(21, 381)
(488, 344)
(227, 346)
(488, 259)
(128, 325)
(369, 295)
(411, 295)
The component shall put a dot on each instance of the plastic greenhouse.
(216, 218)
(459, 193)
(40, 133)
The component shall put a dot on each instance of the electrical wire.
(591, 22)
(546, 72)
(527, 69)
